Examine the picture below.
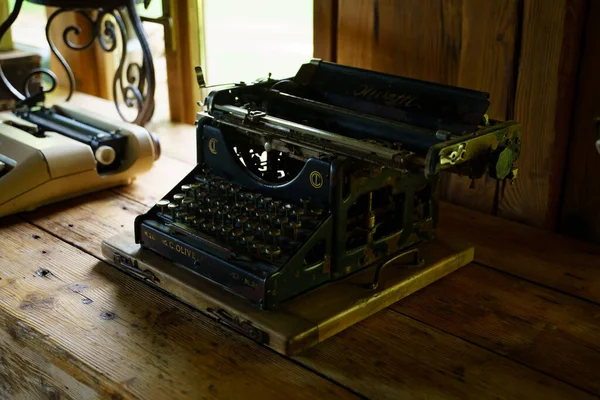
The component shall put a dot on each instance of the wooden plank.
(122, 338)
(27, 375)
(395, 354)
(487, 63)
(391, 356)
(182, 86)
(518, 319)
(533, 254)
(580, 215)
(547, 68)
(325, 29)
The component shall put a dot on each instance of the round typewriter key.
(236, 235)
(186, 189)
(249, 210)
(225, 231)
(299, 214)
(275, 233)
(186, 202)
(286, 209)
(178, 197)
(317, 212)
(173, 209)
(162, 204)
(282, 221)
(250, 227)
(261, 230)
(240, 221)
(190, 220)
(266, 203)
(295, 227)
(305, 203)
(273, 252)
(276, 205)
(181, 215)
(271, 217)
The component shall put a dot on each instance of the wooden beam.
(580, 213)
(183, 90)
(543, 104)
(325, 29)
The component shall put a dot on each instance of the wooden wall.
(580, 216)
(525, 53)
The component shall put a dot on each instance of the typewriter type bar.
(305, 181)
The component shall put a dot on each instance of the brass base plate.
(301, 322)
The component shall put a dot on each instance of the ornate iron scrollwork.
(133, 84)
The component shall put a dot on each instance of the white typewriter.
(52, 154)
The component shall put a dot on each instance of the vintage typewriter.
(303, 182)
(53, 153)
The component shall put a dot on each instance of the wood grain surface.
(397, 355)
(325, 29)
(517, 319)
(123, 338)
(546, 71)
(522, 326)
(555, 261)
(580, 213)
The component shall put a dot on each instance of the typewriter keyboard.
(242, 221)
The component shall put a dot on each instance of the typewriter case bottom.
(372, 242)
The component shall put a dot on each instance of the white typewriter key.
(162, 204)
(105, 155)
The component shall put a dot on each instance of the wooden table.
(523, 321)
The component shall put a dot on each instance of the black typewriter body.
(304, 181)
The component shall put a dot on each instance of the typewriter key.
(250, 227)
(299, 213)
(287, 208)
(273, 252)
(317, 212)
(276, 205)
(247, 241)
(225, 231)
(240, 221)
(275, 233)
(181, 215)
(305, 203)
(190, 220)
(186, 189)
(173, 209)
(295, 227)
(281, 222)
(178, 197)
(186, 202)
(235, 190)
(162, 204)
(236, 234)
(267, 203)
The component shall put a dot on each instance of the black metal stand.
(133, 85)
